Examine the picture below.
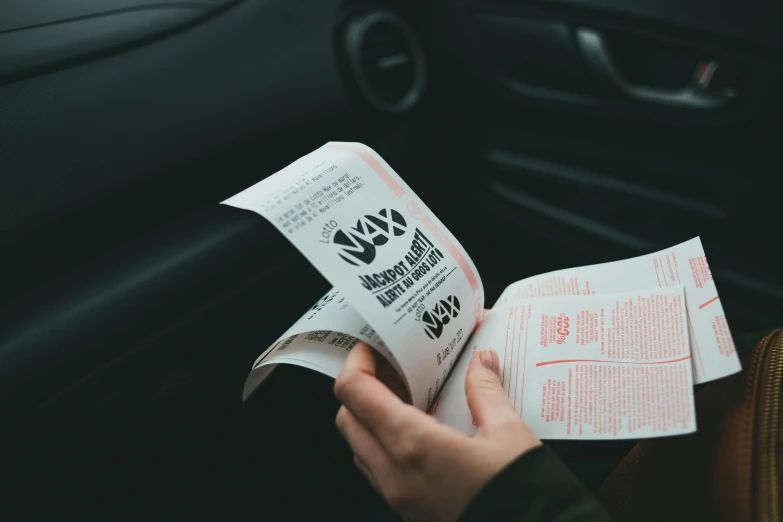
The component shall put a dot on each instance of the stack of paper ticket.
(596, 352)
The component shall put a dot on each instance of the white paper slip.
(320, 340)
(598, 352)
(586, 367)
(714, 355)
(399, 267)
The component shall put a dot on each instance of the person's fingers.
(486, 399)
(379, 410)
(361, 359)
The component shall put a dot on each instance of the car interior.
(545, 135)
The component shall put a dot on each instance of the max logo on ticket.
(357, 246)
(443, 312)
(359, 242)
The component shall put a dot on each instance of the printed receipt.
(714, 355)
(320, 341)
(396, 264)
(603, 351)
(587, 367)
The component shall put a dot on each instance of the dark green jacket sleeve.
(536, 487)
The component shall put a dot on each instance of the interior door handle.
(693, 96)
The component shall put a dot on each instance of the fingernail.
(490, 360)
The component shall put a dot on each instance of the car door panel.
(132, 302)
(112, 130)
(592, 173)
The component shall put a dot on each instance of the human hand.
(425, 470)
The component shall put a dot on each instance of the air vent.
(387, 61)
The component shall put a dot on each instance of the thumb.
(486, 399)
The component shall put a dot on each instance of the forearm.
(535, 487)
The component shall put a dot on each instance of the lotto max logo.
(358, 243)
(444, 311)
